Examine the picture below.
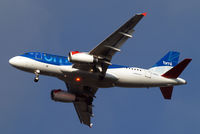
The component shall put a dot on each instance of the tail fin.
(166, 63)
(177, 70)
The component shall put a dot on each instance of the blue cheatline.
(55, 59)
(47, 58)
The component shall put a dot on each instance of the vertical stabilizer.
(166, 63)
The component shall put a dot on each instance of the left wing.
(83, 105)
(84, 112)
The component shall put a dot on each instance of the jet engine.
(79, 57)
(62, 96)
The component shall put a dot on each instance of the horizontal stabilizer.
(167, 92)
(177, 70)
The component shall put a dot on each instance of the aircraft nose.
(12, 61)
(16, 61)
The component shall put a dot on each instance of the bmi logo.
(167, 63)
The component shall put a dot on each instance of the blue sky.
(58, 27)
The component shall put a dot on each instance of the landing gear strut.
(37, 72)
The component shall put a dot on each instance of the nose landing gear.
(36, 79)
(37, 72)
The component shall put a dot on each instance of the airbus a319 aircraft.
(85, 72)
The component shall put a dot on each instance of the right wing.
(112, 44)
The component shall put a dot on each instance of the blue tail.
(166, 63)
(170, 59)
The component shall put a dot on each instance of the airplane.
(85, 72)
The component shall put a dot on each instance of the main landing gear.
(37, 72)
(91, 125)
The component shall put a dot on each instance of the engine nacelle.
(78, 57)
(62, 96)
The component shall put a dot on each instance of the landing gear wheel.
(36, 79)
(91, 124)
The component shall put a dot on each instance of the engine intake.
(62, 96)
(79, 57)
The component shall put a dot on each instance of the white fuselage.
(121, 77)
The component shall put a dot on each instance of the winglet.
(144, 14)
(177, 70)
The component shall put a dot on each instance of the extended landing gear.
(91, 125)
(36, 79)
(37, 72)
